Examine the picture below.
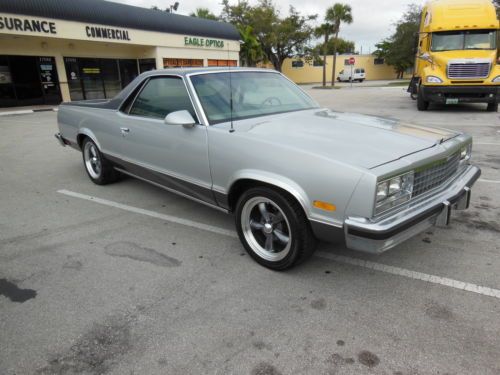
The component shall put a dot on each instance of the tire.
(361, 80)
(492, 107)
(273, 228)
(338, 79)
(99, 170)
(422, 104)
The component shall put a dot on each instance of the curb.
(27, 111)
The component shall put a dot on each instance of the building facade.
(301, 71)
(63, 50)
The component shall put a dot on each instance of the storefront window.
(213, 62)
(146, 65)
(99, 78)
(182, 63)
(7, 95)
(91, 77)
(128, 71)
(28, 80)
(111, 77)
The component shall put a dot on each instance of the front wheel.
(492, 107)
(422, 104)
(273, 228)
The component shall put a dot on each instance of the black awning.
(120, 15)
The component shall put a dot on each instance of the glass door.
(49, 80)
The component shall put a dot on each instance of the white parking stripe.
(486, 143)
(490, 181)
(478, 289)
(157, 215)
(412, 274)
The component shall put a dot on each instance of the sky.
(373, 20)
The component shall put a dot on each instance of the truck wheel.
(492, 107)
(422, 104)
(273, 228)
(100, 170)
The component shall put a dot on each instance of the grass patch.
(327, 87)
(401, 83)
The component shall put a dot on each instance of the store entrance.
(28, 80)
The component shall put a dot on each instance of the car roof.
(188, 71)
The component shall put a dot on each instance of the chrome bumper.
(381, 235)
(60, 139)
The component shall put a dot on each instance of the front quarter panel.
(306, 176)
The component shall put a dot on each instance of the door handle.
(124, 131)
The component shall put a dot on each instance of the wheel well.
(79, 139)
(240, 186)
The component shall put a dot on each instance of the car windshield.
(253, 93)
(460, 40)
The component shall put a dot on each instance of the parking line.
(157, 215)
(456, 284)
(486, 143)
(489, 181)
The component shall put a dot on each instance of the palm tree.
(324, 30)
(250, 50)
(204, 13)
(337, 14)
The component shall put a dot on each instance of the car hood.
(360, 140)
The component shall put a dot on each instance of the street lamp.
(173, 7)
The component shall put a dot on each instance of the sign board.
(203, 42)
(352, 61)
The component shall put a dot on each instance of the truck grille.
(468, 70)
(436, 174)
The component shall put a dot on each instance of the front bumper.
(379, 236)
(461, 94)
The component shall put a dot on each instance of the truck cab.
(457, 57)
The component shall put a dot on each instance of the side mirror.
(183, 118)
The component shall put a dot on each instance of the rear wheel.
(273, 228)
(492, 107)
(422, 104)
(100, 170)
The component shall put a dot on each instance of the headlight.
(393, 192)
(433, 79)
(465, 152)
(496, 79)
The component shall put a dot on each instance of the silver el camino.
(252, 143)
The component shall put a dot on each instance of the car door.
(173, 156)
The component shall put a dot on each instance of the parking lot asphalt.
(130, 279)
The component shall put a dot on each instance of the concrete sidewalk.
(10, 111)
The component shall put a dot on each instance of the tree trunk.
(334, 56)
(324, 59)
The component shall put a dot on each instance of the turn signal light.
(324, 206)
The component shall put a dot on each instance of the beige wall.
(77, 31)
(312, 74)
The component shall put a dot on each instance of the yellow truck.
(457, 54)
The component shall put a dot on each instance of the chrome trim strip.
(173, 191)
(336, 225)
(168, 174)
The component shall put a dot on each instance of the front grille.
(468, 70)
(428, 178)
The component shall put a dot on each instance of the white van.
(345, 74)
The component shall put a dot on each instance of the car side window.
(161, 96)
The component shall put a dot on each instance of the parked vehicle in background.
(252, 143)
(457, 59)
(345, 75)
